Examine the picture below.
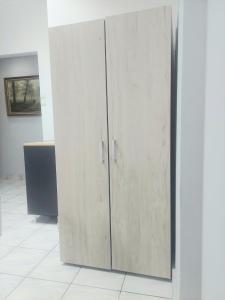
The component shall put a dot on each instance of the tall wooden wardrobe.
(111, 91)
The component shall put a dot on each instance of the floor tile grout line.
(16, 287)
(10, 293)
(89, 286)
(26, 276)
(66, 290)
(70, 284)
(76, 284)
(30, 235)
(48, 280)
(13, 275)
(84, 285)
(19, 244)
(149, 295)
(55, 247)
(28, 273)
(75, 276)
(35, 278)
(10, 251)
(38, 249)
(38, 264)
(125, 274)
(96, 287)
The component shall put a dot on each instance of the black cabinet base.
(41, 180)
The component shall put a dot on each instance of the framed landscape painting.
(22, 96)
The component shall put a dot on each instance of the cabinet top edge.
(40, 144)
(167, 8)
(76, 23)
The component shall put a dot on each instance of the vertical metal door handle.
(114, 146)
(102, 152)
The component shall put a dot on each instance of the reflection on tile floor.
(30, 267)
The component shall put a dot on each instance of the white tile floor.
(30, 267)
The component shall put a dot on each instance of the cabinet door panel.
(138, 47)
(79, 94)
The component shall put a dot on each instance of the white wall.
(16, 130)
(213, 284)
(190, 144)
(24, 29)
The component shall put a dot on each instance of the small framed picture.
(22, 96)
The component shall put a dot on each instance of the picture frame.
(22, 95)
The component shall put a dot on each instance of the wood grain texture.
(79, 94)
(139, 78)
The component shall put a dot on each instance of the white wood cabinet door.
(138, 54)
(80, 113)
